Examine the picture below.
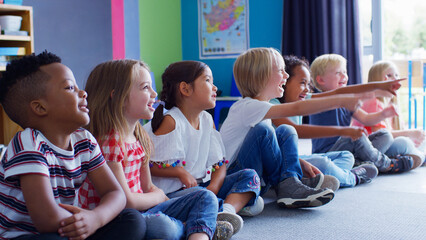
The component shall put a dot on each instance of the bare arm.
(316, 131)
(84, 223)
(216, 182)
(371, 119)
(151, 196)
(390, 86)
(311, 106)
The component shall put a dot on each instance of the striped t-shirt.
(30, 152)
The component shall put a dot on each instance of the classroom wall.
(160, 34)
(265, 24)
(78, 31)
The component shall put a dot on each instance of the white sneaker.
(254, 210)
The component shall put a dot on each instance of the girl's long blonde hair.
(108, 88)
(375, 74)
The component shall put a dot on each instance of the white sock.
(228, 208)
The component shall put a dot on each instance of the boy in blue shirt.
(329, 73)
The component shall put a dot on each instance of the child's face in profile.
(204, 90)
(390, 74)
(297, 86)
(139, 103)
(274, 87)
(65, 103)
(333, 78)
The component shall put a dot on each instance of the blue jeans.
(273, 153)
(242, 181)
(129, 224)
(403, 146)
(337, 164)
(368, 149)
(197, 209)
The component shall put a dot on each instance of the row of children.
(196, 190)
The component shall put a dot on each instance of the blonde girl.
(409, 141)
(120, 95)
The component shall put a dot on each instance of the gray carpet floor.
(390, 207)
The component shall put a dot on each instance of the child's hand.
(188, 180)
(308, 169)
(383, 93)
(417, 136)
(353, 101)
(389, 111)
(392, 85)
(80, 225)
(354, 132)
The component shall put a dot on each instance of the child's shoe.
(224, 231)
(322, 181)
(400, 164)
(315, 182)
(254, 210)
(292, 193)
(365, 173)
(236, 221)
(417, 160)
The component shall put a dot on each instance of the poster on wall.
(223, 29)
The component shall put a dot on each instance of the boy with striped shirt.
(45, 164)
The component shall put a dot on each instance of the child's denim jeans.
(198, 209)
(273, 153)
(368, 149)
(337, 164)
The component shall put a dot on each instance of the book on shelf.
(12, 51)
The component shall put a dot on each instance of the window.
(395, 30)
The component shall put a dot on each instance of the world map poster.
(223, 28)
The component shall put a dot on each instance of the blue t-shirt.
(336, 117)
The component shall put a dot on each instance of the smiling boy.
(46, 163)
(329, 73)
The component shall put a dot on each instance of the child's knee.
(161, 226)
(286, 129)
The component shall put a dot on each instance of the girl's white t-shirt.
(243, 115)
(200, 149)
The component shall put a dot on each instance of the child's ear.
(38, 107)
(319, 80)
(185, 89)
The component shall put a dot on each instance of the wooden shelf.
(7, 127)
(15, 38)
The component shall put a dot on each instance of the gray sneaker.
(234, 219)
(292, 193)
(224, 231)
(314, 182)
(365, 173)
(322, 181)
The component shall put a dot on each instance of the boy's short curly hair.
(22, 82)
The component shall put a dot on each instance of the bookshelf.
(7, 127)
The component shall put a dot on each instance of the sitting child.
(120, 94)
(189, 151)
(251, 141)
(405, 140)
(47, 162)
(337, 163)
(329, 73)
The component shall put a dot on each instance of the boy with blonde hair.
(46, 163)
(329, 73)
